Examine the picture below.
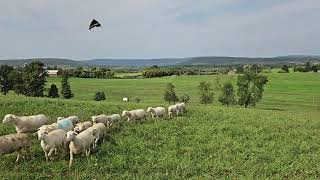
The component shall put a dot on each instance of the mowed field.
(279, 138)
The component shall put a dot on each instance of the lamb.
(181, 107)
(100, 132)
(26, 124)
(52, 141)
(173, 109)
(14, 143)
(80, 143)
(156, 112)
(82, 126)
(64, 124)
(135, 114)
(74, 119)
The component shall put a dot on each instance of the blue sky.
(158, 28)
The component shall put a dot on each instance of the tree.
(6, 83)
(185, 98)
(314, 68)
(285, 68)
(250, 88)
(15, 77)
(169, 94)
(66, 88)
(34, 78)
(53, 91)
(206, 93)
(227, 96)
(308, 67)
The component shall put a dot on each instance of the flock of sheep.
(69, 134)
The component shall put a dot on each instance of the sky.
(158, 28)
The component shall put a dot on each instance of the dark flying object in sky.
(94, 23)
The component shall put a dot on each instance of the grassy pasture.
(277, 139)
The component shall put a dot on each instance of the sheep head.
(71, 135)
(9, 118)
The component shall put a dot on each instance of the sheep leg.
(51, 151)
(45, 154)
(71, 159)
(18, 156)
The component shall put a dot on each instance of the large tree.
(5, 80)
(250, 88)
(34, 77)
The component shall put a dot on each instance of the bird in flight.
(94, 23)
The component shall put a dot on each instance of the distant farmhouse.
(52, 73)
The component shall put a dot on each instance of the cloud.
(158, 28)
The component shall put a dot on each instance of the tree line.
(99, 73)
(30, 81)
(250, 88)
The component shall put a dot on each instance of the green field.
(276, 139)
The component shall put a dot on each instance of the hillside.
(46, 61)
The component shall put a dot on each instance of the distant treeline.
(100, 73)
(156, 71)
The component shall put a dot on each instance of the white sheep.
(157, 112)
(14, 143)
(102, 118)
(135, 114)
(173, 109)
(64, 124)
(52, 141)
(107, 120)
(113, 119)
(82, 126)
(26, 124)
(100, 132)
(74, 119)
(181, 107)
(80, 143)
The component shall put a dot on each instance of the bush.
(285, 69)
(66, 88)
(53, 91)
(169, 94)
(137, 99)
(206, 93)
(99, 96)
(185, 98)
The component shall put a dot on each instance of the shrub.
(53, 91)
(185, 98)
(137, 99)
(206, 93)
(169, 94)
(99, 96)
(66, 88)
(285, 69)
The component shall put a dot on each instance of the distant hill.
(210, 60)
(247, 60)
(46, 61)
(136, 62)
